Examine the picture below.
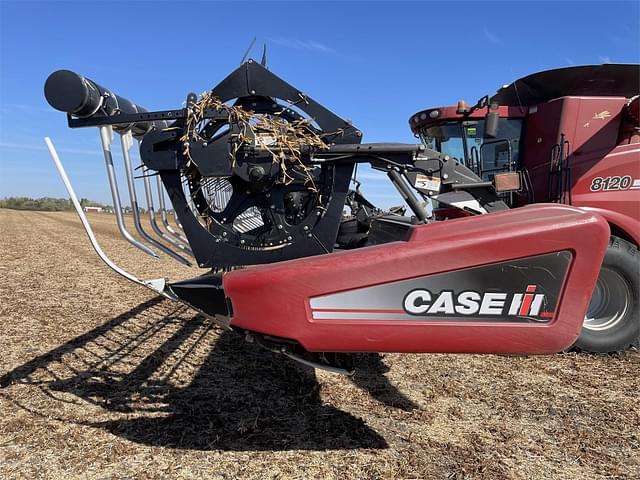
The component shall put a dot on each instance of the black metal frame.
(216, 245)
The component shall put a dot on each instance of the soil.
(100, 378)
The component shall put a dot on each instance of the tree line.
(45, 204)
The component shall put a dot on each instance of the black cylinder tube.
(82, 97)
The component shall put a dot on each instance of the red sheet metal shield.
(511, 282)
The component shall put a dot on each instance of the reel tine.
(126, 140)
(163, 212)
(106, 138)
(152, 216)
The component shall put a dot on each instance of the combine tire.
(612, 322)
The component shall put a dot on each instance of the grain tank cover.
(608, 80)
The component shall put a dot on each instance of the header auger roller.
(259, 174)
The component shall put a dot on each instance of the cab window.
(465, 142)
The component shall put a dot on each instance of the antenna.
(248, 50)
(263, 62)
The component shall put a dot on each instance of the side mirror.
(491, 124)
(508, 182)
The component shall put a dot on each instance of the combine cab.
(569, 136)
(259, 174)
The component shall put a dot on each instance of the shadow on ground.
(167, 378)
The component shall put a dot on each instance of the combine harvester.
(259, 178)
(569, 136)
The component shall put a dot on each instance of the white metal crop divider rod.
(152, 214)
(157, 285)
(175, 217)
(163, 212)
(106, 138)
(126, 139)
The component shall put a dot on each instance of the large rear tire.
(612, 323)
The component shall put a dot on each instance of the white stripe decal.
(395, 316)
(623, 153)
(363, 316)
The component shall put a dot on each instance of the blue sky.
(375, 63)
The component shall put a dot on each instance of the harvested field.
(100, 379)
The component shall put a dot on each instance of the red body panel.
(620, 207)
(424, 118)
(602, 144)
(591, 125)
(447, 213)
(274, 299)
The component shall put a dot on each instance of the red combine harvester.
(570, 136)
(259, 176)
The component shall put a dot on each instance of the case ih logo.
(457, 296)
(527, 304)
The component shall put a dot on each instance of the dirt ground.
(101, 379)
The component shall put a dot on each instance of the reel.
(254, 194)
(243, 152)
